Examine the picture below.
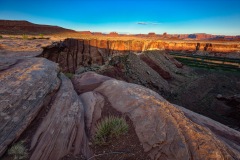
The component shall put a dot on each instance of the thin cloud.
(142, 23)
(148, 23)
(155, 23)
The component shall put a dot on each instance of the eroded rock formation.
(24, 88)
(73, 53)
(63, 128)
(166, 131)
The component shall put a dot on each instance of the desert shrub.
(1, 36)
(69, 75)
(41, 35)
(108, 128)
(24, 36)
(18, 151)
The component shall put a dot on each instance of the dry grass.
(108, 128)
(18, 151)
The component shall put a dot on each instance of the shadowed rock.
(24, 88)
(88, 81)
(93, 103)
(63, 130)
(166, 131)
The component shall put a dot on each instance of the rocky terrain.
(17, 47)
(56, 116)
(72, 53)
(33, 89)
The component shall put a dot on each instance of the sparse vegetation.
(69, 75)
(18, 151)
(108, 128)
(24, 36)
(41, 36)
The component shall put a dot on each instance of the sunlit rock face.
(78, 52)
(165, 130)
(63, 129)
(25, 86)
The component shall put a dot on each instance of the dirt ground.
(200, 94)
(196, 89)
(18, 47)
(124, 147)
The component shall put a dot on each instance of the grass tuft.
(18, 151)
(24, 36)
(41, 36)
(108, 128)
(69, 75)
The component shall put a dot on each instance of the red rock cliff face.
(75, 52)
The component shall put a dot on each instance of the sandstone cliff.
(73, 53)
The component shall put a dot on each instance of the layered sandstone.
(79, 52)
(165, 131)
(25, 87)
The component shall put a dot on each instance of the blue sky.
(130, 16)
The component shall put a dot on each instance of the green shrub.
(24, 36)
(41, 35)
(69, 75)
(108, 128)
(18, 151)
(1, 36)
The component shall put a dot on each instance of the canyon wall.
(72, 53)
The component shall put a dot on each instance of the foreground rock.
(165, 131)
(88, 81)
(25, 85)
(63, 130)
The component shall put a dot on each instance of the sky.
(220, 17)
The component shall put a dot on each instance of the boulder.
(87, 81)
(93, 103)
(164, 130)
(5, 63)
(25, 85)
(62, 131)
(230, 136)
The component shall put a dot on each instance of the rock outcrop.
(73, 53)
(88, 81)
(25, 86)
(165, 130)
(63, 129)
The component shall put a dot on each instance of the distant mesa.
(113, 34)
(85, 32)
(98, 33)
(14, 27)
(152, 34)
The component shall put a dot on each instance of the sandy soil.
(14, 47)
